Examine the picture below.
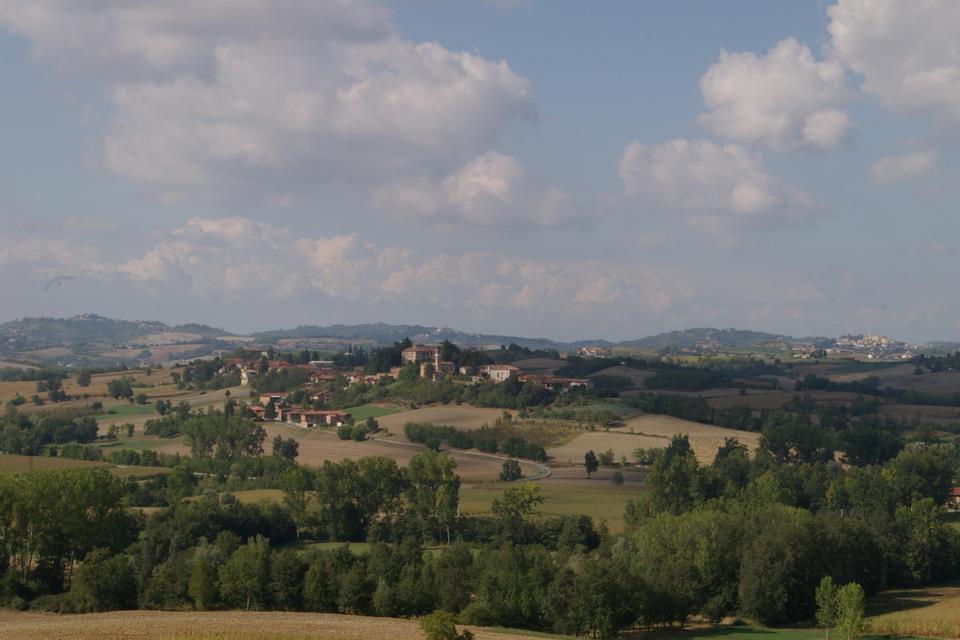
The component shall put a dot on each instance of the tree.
(513, 507)
(297, 484)
(83, 378)
(244, 576)
(590, 462)
(287, 448)
(849, 610)
(434, 490)
(141, 398)
(673, 477)
(826, 597)
(162, 406)
(511, 471)
(441, 625)
(120, 388)
(202, 587)
(286, 580)
(104, 582)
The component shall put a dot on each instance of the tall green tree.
(850, 611)
(826, 597)
(297, 484)
(590, 463)
(245, 576)
(434, 491)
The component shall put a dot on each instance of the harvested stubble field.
(774, 401)
(922, 412)
(25, 464)
(159, 379)
(6, 364)
(232, 625)
(459, 416)
(636, 376)
(545, 432)
(651, 432)
(902, 376)
(927, 612)
(540, 365)
(319, 445)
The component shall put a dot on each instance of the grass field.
(139, 472)
(151, 443)
(196, 399)
(220, 625)
(365, 411)
(256, 496)
(599, 499)
(127, 409)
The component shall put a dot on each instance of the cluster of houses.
(283, 412)
(427, 357)
(594, 352)
(251, 366)
(322, 374)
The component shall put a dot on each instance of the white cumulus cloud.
(915, 164)
(906, 52)
(492, 189)
(273, 100)
(782, 99)
(718, 189)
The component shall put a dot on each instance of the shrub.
(511, 471)
(441, 625)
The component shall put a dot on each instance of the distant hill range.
(88, 328)
(721, 338)
(388, 333)
(89, 334)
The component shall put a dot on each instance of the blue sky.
(563, 169)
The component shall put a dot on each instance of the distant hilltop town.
(869, 346)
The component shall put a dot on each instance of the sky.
(571, 170)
